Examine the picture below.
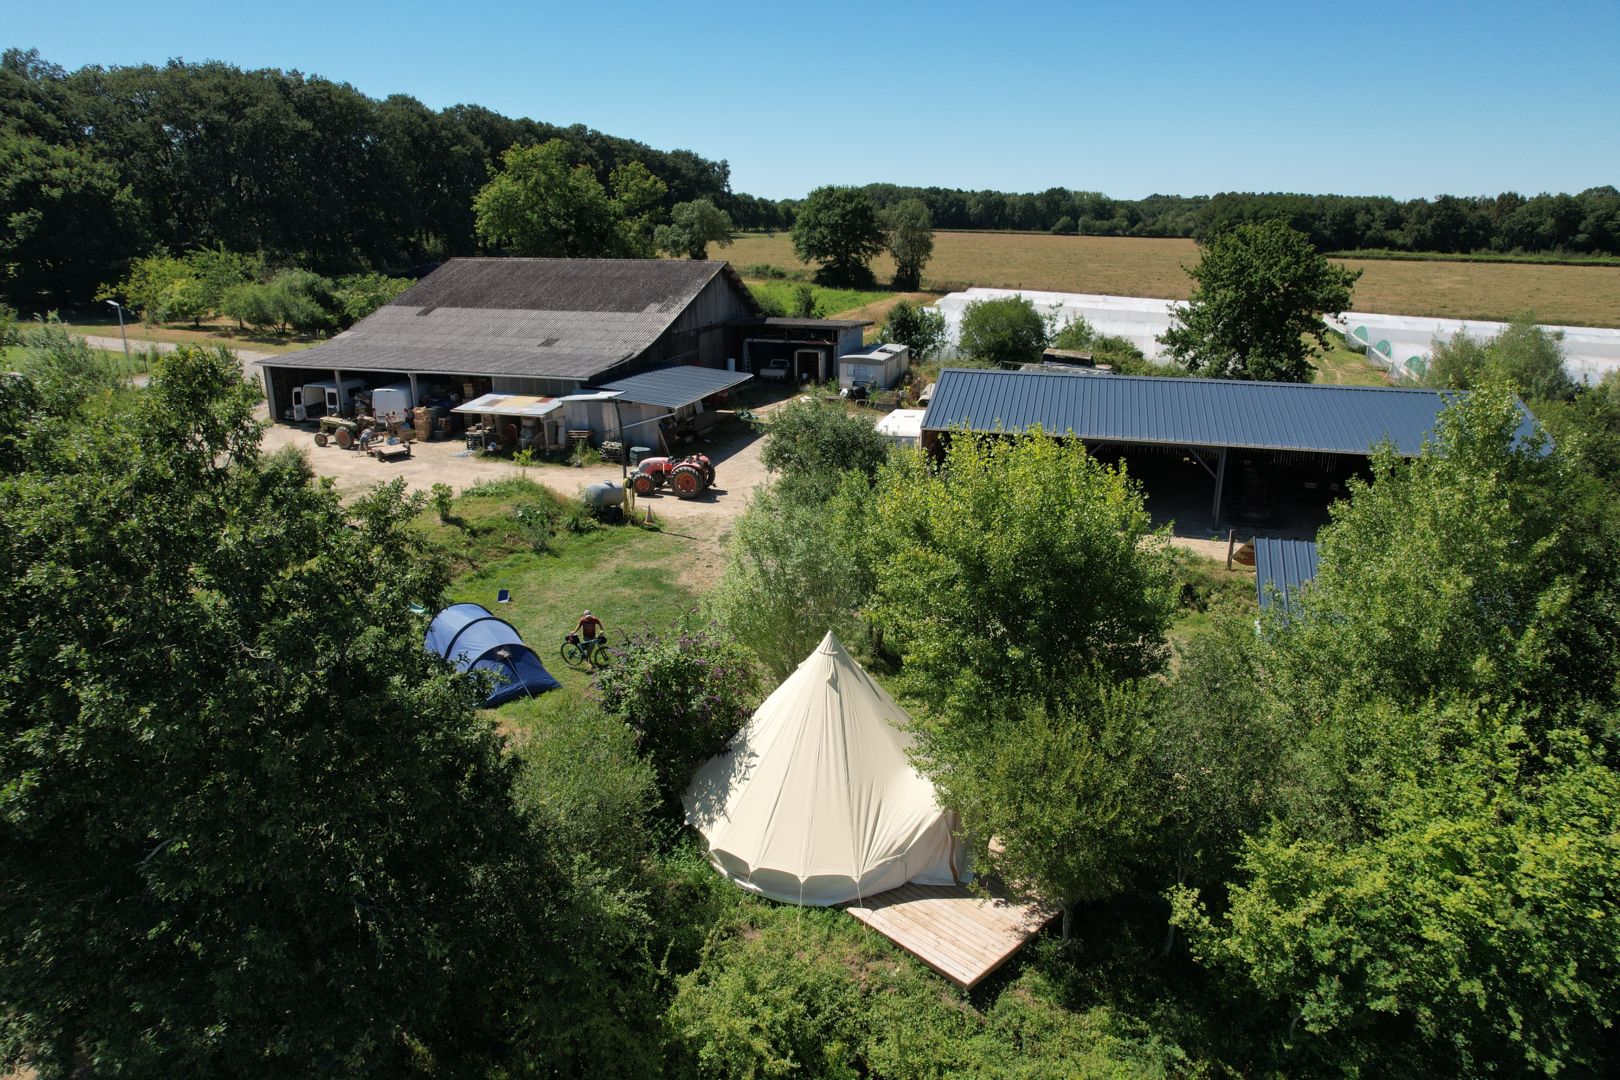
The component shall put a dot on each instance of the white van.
(395, 399)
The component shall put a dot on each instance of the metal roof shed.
(1287, 565)
(1205, 417)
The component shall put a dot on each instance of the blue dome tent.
(472, 639)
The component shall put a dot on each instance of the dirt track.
(706, 520)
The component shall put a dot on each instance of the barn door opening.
(811, 362)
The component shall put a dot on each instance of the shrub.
(813, 441)
(442, 494)
(1004, 332)
(537, 523)
(804, 303)
(920, 328)
(684, 694)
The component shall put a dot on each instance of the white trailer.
(876, 369)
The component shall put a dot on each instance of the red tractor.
(688, 476)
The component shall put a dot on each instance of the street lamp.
(121, 333)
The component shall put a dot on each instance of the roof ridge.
(1111, 377)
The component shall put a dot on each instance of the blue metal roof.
(1190, 412)
(1286, 565)
(673, 387)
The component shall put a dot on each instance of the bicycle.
(589, 653)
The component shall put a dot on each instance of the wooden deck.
(961, 935)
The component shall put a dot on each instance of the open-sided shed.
(1299, 432)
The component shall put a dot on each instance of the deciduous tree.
(1005, 331)
(796, 570)
(911, 240)
(813, 442)
(1527, 357)
(692, 227)
(67, 222)
(1014, 567)
(920, 328)
(1260, 289)
(839, 228)
(542, 203)
(1065, 789)
(249, 828)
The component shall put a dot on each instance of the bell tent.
(815, 801)
(472, 639)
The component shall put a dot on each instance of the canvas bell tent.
(472, 639)
(815, 801)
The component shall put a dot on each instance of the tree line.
(1587, 223)
(100, 165)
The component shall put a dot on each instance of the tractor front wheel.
(643, 484)
(321, 439)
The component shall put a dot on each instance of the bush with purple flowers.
(684, 694)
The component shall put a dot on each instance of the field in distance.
(1134, 266)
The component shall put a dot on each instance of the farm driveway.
(705, 521)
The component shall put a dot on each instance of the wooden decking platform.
(961, 935)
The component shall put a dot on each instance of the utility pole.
(121, 332)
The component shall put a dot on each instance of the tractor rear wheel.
(687, 480)
(344, 439)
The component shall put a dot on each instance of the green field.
(829, 302)
(1131, 266)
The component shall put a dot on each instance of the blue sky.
(1403, 99)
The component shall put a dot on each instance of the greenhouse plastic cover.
(1139, 319)
(816, 802)
(1400, 343)
(1404, 343)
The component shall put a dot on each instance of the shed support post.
(1220, 484)
(415, 398)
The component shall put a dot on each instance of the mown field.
(1130, 266)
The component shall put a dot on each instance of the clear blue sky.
(1403, 99)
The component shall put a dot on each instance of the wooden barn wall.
(699, 334)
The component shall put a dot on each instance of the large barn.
(541, 327)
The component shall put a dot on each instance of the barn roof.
(1282, 568)
(673, 387)
(558, 318)
(1191, 412)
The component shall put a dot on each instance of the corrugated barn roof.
(1282, 568)
(559, 318)
(676, 386)
(1190, 412)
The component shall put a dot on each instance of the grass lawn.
(1135, 266)
(136, 364)
(1340, 365)
(1209, 592)
(629, 576)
